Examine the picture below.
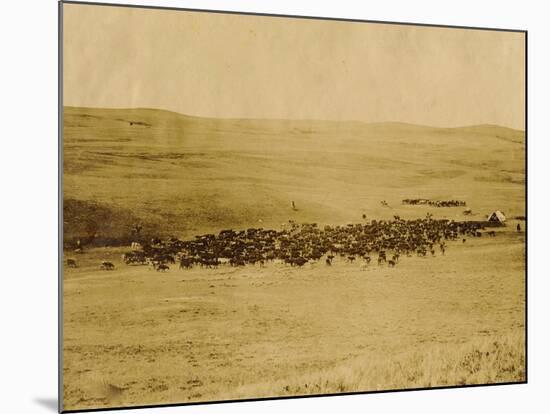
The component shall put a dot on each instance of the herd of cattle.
(434, 203)
(383, 241)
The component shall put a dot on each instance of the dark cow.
(186, 263)
(107, 266)
(298, 261)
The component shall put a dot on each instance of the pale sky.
(239, 66)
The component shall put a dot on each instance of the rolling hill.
(181, 175)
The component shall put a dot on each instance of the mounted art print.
(262, 206)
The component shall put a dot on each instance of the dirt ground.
(136, 336)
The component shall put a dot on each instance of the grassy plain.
(134, 336)
(180, 175)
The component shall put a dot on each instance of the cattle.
(71, 263)
(186, 263)
(162, 268)
(208, 262)
(107, 266)
(435, 203)
(236, 261)
(297, 244)
(298, 261)
(134, 258)
(165, 258)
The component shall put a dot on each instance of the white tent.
(497, 216)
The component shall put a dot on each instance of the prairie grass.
(180, 175)
(134, 336)
(485, 360)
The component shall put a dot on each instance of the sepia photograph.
(260, 206)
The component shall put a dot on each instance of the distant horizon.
(486, 124)
(232, 66)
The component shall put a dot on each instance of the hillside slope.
(181, 175)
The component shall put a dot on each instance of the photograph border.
(60, 202)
